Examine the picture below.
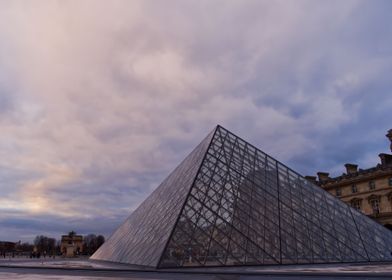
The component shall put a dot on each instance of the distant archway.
(388, 226)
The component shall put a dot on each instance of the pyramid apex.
(230, 204)
(218, 126)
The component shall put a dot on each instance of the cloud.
(99, 102)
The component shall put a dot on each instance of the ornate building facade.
(71, 244)
(367, 190)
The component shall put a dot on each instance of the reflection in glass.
(230, 204)
(245, 208)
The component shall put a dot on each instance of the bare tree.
(92, 242)
(45, 245)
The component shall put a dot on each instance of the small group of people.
(34, 255)
(38, 255)
(5, 254)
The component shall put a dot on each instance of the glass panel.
(229, 203)
(142, 238)
(257, 211)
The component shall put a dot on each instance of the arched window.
(372, 185)
(374, 201)
(356, 203)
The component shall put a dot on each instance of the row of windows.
(354, 188)
(374, 203)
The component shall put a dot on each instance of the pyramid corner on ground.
(141, 239)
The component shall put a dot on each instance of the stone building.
(71, 244)
(367, 190)
(7, 247)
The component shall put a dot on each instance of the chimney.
(312, 179)
(386, 159)
(351, 168)
(323, 176)
(389, 135)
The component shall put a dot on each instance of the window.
(356, 204)
(338, 192)
(375, 203)
(390, 181)
(354, 189)
(372, 185)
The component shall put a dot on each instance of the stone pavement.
(85, 269)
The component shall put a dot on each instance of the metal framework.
(228, 204)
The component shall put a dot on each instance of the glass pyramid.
(230, 204)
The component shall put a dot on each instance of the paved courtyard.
(57, 269)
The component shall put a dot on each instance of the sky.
(100, 100)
